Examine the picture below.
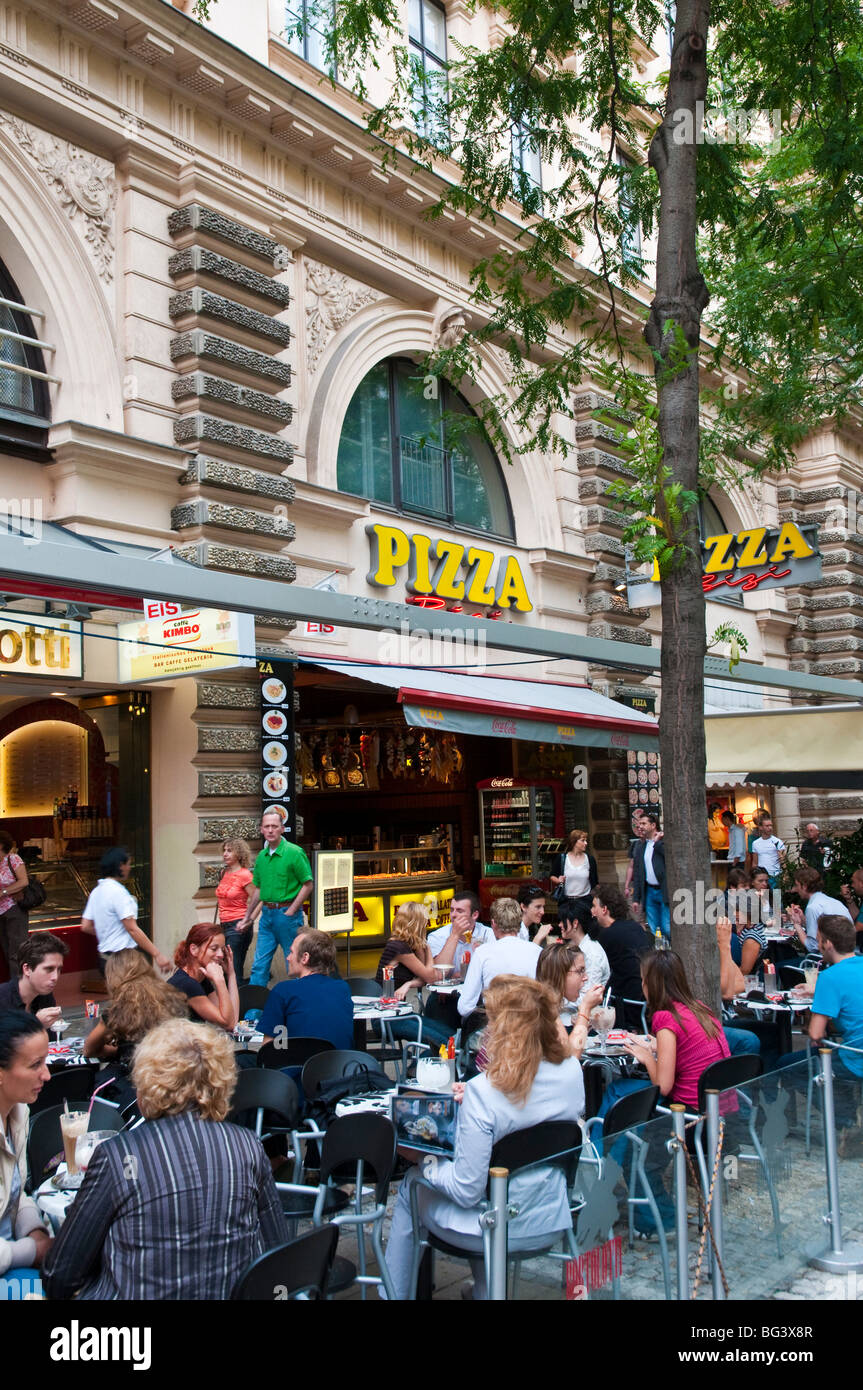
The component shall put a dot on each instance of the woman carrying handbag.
(575, 880)
(14, 922)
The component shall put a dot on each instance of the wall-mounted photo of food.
(274, 722)
(275, 784)
(275, 754)
(280, 810)
(274, 691)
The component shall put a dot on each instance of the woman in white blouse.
(531, 1078)
(578, 876)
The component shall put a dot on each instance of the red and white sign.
(156, 608)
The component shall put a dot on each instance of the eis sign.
(446, 574)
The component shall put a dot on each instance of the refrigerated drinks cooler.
(521, 831)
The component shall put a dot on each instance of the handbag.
(32, 896)
(559, 892)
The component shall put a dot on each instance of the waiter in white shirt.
(506, 955)
(111, 914)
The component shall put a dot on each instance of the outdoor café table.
(781, 945)
(366, 1011)
(780, 1010)
(54, 1202)
(600, 1068)
(377, 1102)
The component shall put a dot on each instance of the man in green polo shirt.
(281, 882)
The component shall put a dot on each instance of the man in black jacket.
(649, 886)
(624, 943)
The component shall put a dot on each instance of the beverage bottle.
(658, 941)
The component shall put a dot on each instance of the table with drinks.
(58, 1192)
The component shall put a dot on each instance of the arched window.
(710, 523)
(24, 401)
(402, 445)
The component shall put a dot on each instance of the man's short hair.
(39, 945)
(841, 933)
(612, 900)
(506, 916)
(810, 879)
(469, 896)
(321, 950)
(730, 817)
(653, 817)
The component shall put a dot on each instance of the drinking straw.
(104, 1086)
(607, 997)
(65, 1105)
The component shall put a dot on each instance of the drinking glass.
(85, 1145)
(603, 1019)
(58, 1028)
(444, 970)
(73, 1124)
(433, 1074)
(811, 974)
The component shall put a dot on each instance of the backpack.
(356, 1080)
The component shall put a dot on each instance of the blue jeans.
(741, 1041)
(238, 941)
(656, 910)
(16, 1283)
(275, 929)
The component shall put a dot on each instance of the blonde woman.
(408, 952)
(232, 896)
(179, 1207)
(531, 1078)
(140, 1000)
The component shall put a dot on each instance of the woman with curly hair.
(180, 1206)
(140, 1000)
(205, 974)
(232, 896)
(409, 954)
(531, 1078)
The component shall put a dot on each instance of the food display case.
(518, 822)
(386, 878)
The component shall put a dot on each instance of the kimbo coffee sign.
(278, 792)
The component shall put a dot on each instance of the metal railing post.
(715, 1213)
(499, 1194)
(837, 1259)
(677, 1144)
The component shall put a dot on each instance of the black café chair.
(726, 1075)
(295, 1052)
(364, 989)
(366, 1144)
(299, 1269)
(624, 1117)
(272, 1097)
(556, 1143)
(252, 997)
(44, 1146)
(74, 1084)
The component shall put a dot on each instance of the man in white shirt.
(736, 838)
(111, 914)
(767, 851)
(447, 944)
(506, 955)
(809, 885)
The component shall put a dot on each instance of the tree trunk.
(681, 296)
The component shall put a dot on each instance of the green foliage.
(737, 642)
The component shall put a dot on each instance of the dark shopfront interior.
(76, 780)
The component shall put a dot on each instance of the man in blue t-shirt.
(838, 995)
(312, 1003)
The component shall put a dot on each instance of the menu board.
(38, 765)
(643, 777)
(278, 792)
(334, 890)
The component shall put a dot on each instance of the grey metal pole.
(499, 1190)
(837, 1259)
(677, 1145)
(715, 1213)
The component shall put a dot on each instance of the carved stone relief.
(82, 183)
(331, 300)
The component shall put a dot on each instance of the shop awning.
(498, 707)
(820, 747)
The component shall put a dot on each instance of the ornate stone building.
(210, 263)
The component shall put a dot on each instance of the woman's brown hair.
(555, 964)
(242, 850)
(666, 986)
(522, 1032)
(139, 999)
(201, 933)
(574, 837)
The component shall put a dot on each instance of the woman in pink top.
(687, 1038)
(232, 895)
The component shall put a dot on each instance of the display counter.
(419, 874)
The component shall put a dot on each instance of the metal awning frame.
(34, 561)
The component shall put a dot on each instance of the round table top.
(54, 1202)
(369, 1011)
(776, 1005)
